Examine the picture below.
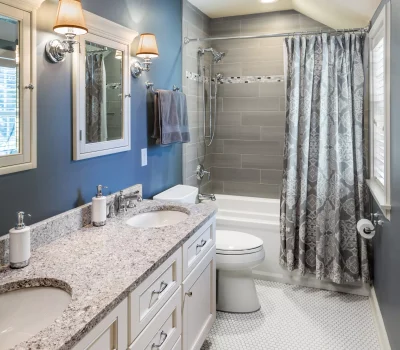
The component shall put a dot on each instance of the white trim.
(380, 325)
(27, 5)
(381, 195)
(26, 15)
(110, 34)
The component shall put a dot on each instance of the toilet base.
(236, 292)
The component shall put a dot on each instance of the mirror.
(101, 89)
(10, 138)
(104, 87)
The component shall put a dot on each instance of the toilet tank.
(179, 194)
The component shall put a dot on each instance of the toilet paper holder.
(376, 221)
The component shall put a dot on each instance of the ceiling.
(338, 14)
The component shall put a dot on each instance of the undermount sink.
(157, 219)
(25, 312)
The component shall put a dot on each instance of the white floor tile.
(293, 317)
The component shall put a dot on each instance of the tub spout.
(203, 197)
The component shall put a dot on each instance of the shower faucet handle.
(201, 171)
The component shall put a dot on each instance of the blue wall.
(59, 184)
(387, 241)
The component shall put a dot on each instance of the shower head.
(217, 56)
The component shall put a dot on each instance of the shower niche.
(101, 90)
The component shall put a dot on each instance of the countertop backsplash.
(51, 229)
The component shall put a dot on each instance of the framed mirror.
(102, 95)
(17, 86)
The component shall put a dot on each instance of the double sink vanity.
(145, 280)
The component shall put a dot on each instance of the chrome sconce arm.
(137, 68)
(56, 50)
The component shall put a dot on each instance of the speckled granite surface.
(99, 266)
(49, 230)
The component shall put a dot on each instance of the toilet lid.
(235, 241)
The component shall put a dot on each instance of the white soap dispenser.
(99, 208)
(20, 243)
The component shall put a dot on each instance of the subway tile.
(229, 69)
(249, 104)
(275, 118)
(287, 23)
(239, 90)
(217, 187)
(194, 151)
(207, 187)
(195, 119)
(236, 175)
(271, 177)
(259, 24)
(194, 103)
(192, 16)
(272, 42)
(251, 190)
(227, 160)
(229, 118)
(272, 133)
(225, 28)
(274, 148)
(256, 161)
(282, 103)
(225, 45)
(272, 89)
(191, 167)
(192, 181)
(263, 68)
(228, 132)
(216, 147)
(265, 54)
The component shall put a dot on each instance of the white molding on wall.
(27, 5)
(103, 27)
(383, 337)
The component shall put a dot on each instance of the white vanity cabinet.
(173, 309)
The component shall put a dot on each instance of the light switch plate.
(144, 156)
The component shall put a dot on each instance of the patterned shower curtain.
(323, 180)
(96, 118)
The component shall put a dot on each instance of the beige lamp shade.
(147, 46)
(70, 19)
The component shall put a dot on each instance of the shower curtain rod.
(277, 35)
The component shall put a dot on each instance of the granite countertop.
(99, 267)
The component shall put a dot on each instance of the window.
(379, 96)
(17, 99)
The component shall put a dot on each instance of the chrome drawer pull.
(201, 245)
(164, 337)
(163, 286)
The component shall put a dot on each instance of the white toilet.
(237, 254)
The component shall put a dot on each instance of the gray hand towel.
(171, 117)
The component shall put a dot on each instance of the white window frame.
(381, 194)
(110, 34)
(24, 11)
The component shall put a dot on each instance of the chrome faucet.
(125, 202)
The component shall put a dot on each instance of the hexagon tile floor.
(297, 318)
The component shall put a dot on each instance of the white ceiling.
(338, 14)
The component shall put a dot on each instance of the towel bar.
(150, 86)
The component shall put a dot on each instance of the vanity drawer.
(178, 344)
(165, 329)
(197, 246)
(151, 295)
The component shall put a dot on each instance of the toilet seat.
(237, 243)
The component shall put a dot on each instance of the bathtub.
(260, 217)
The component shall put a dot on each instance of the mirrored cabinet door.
(101, 95)
(17, 95)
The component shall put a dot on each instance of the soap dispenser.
(20, 243)
(99, 208)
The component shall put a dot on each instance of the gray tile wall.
(247, 155)
(195, 25)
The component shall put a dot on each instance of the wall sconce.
(70, 22)
(147, 50)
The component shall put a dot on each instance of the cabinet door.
(110, 334)
(199, 306)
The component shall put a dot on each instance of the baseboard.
(380, 325)
(357, 289)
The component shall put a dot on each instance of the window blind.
(9, 122)
(378, 98)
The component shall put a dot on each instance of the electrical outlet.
(144, 156)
